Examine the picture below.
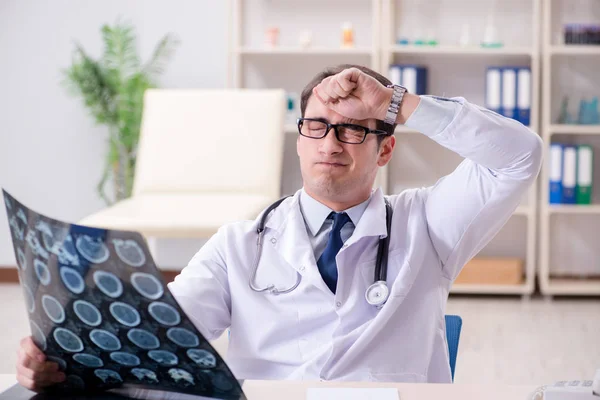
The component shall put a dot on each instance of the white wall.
(51, 154)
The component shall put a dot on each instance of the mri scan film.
(97, 305)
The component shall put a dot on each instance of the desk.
(296, 390)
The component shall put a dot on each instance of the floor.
(504, 340)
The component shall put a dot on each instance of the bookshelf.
(569, 256)
(453, 70)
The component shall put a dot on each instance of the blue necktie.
(326, 263)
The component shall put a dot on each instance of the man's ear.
(386, 150)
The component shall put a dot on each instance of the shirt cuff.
(433, 114)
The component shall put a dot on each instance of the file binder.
(585, 167)
(414, 79)
(509, 93)
(395, 73)
(556, 167)
(569, 174)
(493, 89)
(524, 96)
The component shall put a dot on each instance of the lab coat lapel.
(288, 236)
(372, 222)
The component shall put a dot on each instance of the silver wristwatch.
(392, 112)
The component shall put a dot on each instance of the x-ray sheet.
(98, 307)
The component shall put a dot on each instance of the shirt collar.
(315, 213)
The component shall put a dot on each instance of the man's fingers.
(344, 79)
(32, 350)
(27, 383)
(336, 88)
(321, 96)
(42, 377)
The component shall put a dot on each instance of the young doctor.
(314, 299)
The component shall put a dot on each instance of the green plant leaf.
(162, 53)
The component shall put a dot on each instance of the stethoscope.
(376, 294)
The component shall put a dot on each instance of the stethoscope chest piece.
(377, 294)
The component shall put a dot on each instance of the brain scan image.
(54, 243)
(17, 229)
(125, 314)
(68, 340)
(47, 235)
(220, 381)
(35, 246)
(92, 249)
(105, 340)
(42, 272)
(54, 310)
(87, 313)
(75, 382)
(29, 300)
(147, 285)
(127, 359)
(108, 283)
(181, 376)
(183, 337)
(143, 339)
(21, 260)
(163, 357)
(38, 336)
(98, 306)
(129, 252)
(203, 358)
(88, 360)
(72, 280)
(66, 252)
(21, 215)
(144, 374)
(108, 376)
(164, 313)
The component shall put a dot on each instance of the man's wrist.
(409, 104)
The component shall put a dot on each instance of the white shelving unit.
(254, 64)
(453, 71)
(459, 70)
(568, 254)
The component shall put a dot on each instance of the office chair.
(453, 327)
(206, 157)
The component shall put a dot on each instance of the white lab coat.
(313, 334)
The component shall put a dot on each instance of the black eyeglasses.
(345, 133)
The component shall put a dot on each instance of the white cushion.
(211, 141)
(205, 158)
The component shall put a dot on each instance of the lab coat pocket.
(405, 377)
(401, 276)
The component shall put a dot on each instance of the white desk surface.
(296, 390)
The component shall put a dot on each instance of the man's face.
(335, 170)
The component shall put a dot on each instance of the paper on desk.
(352, 394)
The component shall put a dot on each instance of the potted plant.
(112, 88)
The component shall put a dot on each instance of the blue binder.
(569, 174)
(524, 96)
(556, 169)
(411, 76)
(508, 107)
(493, 89)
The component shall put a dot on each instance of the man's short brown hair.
(329, 71)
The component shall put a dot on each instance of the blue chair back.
(453, 327)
